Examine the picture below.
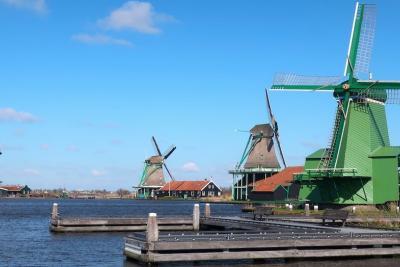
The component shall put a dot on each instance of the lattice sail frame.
(281, 80)
(366, 41)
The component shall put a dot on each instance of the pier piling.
(152, 228)
(307, 209)
(196, 217)
(54, 212)
(207, 210)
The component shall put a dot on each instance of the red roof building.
(277, 187)
(192, 189)
(14, 190)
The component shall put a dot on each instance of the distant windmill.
(260, 151)
(259, 160)
(153, 173)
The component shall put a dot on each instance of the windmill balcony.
(326, 173)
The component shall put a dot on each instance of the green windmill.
(359, 166)
(152, 177)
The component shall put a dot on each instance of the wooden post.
(152, 228)
(196, 217)
(54, 212)
(207, 210)
(307, 209)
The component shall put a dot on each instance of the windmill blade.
(158, 151)
(274, 128)
(271, 116)
(169, 173)
(169, 151)
(280, 150)
(361, 40)
(290, 81)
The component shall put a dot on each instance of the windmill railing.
(326, 172)
(254, 170)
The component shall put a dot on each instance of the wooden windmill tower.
(359, 166)
(259, 160)
(153, 173)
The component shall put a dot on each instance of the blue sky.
(85, 85)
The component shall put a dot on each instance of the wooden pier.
(257, 240)
(258, 245)
(177, 223)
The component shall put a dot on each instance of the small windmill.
(346, 172)
(153, 173)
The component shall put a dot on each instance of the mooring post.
(196, 217)
(207, 210)
(307, 209)
(315, 207)
(152, 228)
(54, 212)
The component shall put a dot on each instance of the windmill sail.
(292, 81)
(361, 41)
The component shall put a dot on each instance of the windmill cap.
(265, 129)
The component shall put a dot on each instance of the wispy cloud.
(5, 147)
(44, 146)
(72, 148)
(190, 167)
(311, 144)
(10, 114)
(38, 6)
(98, 173)
(100, 39)
(136, 16)
(31, 172)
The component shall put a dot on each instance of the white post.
(54, 211)
(196, 217)
(354, 209)
(315, 207)
(290, 207)
(207, 210)
(397, 209)
(152, 228)
(307, 209)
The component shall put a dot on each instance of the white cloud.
(32, 172)
(72, 148)
(190, 167)
(4, 147)
(100, 39)
(38, 6)
(135, 15)
(10, 114)
(44, 146)
(98, 173)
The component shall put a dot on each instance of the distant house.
(279, 186)
(14, 190)
(190, 189)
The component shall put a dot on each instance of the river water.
(25, 239)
